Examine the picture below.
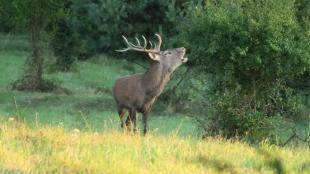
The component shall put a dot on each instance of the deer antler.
(158, 45)
(140, 48)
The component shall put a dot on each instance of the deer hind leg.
(121, 113)
(131, 120)
(134, 120)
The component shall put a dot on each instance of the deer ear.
(154, 56)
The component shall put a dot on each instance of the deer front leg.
(144, 119)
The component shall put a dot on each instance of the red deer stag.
(137, 93)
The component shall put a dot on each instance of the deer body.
(138, 92)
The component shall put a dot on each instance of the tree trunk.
(32, 80)
(36, 59)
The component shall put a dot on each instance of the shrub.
(250, 48)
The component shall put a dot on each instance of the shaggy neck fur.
(155, 79)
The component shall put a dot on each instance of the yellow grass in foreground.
(53, 150)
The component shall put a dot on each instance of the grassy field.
(45, 149)
(79, 132)
(90, 104)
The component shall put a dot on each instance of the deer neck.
(155, 79)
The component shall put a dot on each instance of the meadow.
(45, 149)
(78, 131)
(89, 104)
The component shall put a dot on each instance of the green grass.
(79, 133)
(45, 149)
(91, 99)
(90, 104)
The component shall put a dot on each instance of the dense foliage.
(251, 48)
(6, 9)
(99, 24)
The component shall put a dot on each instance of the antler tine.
(125, 39)
(158, 45)
(138, 41)
(124, 50)
(127, 42)
(151, 44)
(145, 42)
(130, 44)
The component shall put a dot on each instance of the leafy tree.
(35, 17)
(250, 48)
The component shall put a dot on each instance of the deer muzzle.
(183, 58)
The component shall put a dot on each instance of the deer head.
(171, 58)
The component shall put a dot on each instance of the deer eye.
(167, 53)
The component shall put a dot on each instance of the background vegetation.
(247, 79)
(252, 50)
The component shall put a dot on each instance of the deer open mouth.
(184, 59)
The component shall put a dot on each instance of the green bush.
(250, 48)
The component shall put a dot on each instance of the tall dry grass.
(44, 149)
